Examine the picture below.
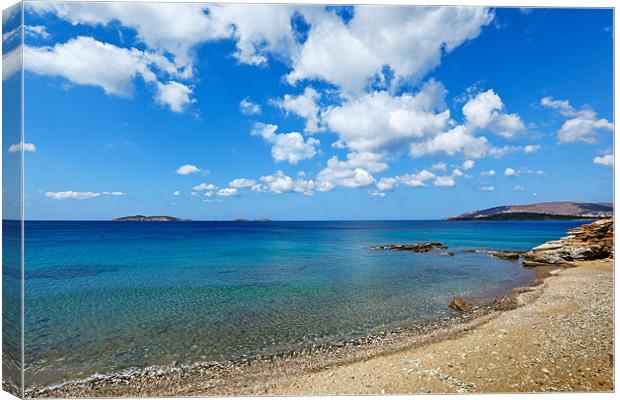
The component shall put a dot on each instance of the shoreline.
(238, 377)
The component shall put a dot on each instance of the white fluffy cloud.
(468, 164)
(241, 183)
(378, 121)
(408, 40)
(518, 188)
(304, 106)
(356, 171)
(11, 62)
(511, 172)
(440, 166)
(17, 147)
(607, 160)
(487, 188)
(485, 111)
(37, 31)
(290, 147)
(445, 181)
(177, 28)
(174, 95)
(456, 140)
(227, 192)
(70, 194)
(419, 179)
(247, 107)
(581, 126)
(176, 193)
(204, 186)
(187, 169)
(86, 61)
(279, 183)
(490, 172)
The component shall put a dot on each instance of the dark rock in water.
(415, 247)
(447, 254)
(505, 255)
(588, 242)
(459, 304)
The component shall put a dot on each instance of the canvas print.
(205, 199)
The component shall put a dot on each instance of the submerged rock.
(588, 242)
(416, 247)
(459, 304)
(447, 253)
(505, 255)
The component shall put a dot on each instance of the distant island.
(541, 211)
(157, 218)
(252, 220)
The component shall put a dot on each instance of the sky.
(216, 112)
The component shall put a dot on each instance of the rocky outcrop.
(459, 304)
(503, 254)
(588, 242)
(415, 247)
(143, 218)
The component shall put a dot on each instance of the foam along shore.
(553, 336)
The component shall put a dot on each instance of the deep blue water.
(105, 296)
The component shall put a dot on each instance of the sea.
(103, 297)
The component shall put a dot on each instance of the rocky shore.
(556, 335)
(588, 242)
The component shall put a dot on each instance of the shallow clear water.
(105, 296)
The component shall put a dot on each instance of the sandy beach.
(560, 340)
(554, 336)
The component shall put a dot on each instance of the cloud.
(86, 61)
(37, 31)
(445, 181)
(531, 148)
(176, 193)
(356, 171)
(487, 188)
(11, 62)
(488, 173)
(290, 147)
(227, 192)
(518, 188)
(457, 172)
(174, 95)
(247, 107)
(607, 160)
(241, 183)
(407, 40)
(511, 172)
(419, 179)
(379, 121)
(70, 194)
(485, 111)
(279, 183)
(304, 106)
(456, 140)
(440, 166)
(27, 147)
(187, 169)
(469, 164)
(177, 29)
(514, 172)
(376, 193)
(204, 186)
(582, 125)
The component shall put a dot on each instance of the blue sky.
(304, 113)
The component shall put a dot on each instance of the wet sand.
(554, 336)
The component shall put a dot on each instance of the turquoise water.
(106, 296)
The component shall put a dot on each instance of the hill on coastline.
(157, 218)
(548, 210)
